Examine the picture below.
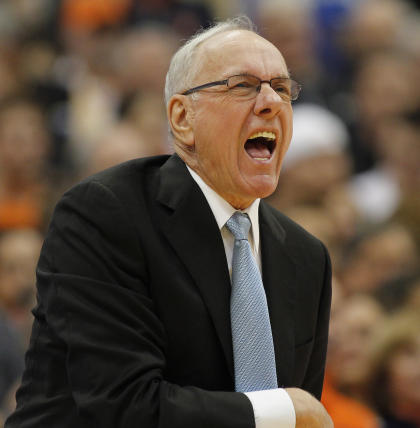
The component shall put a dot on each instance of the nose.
(268, 102)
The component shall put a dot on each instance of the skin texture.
(310, 413)
(211, 128)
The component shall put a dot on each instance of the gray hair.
(181, 70)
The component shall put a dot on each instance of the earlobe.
(179, 118)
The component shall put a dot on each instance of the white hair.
(182, 70)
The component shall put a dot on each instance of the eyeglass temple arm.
(206, 85)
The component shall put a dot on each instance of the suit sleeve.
(98, 347)
(314, 378)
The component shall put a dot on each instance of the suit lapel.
(191, 229)
(279, 276)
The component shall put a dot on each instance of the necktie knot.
(239, 225)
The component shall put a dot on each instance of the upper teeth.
(264, 134)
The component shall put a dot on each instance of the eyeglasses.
(248, 86)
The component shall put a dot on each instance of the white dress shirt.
(272, 408)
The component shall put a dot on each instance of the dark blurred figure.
(24, 152)
(142, 58)
(401, 291)
(316, 160)
(11, 361)
(119, 75)
(378, 45)
(353, 327)
(184, 17)
(394, 380)
(389, 191)
(290, 27)
(384, 89)
(19, 252)
(353, 324)
(376, 257)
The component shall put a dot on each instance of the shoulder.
(131, 173)
(125, 182)
(306, 250)
(292, 234)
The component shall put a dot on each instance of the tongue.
(256, 149)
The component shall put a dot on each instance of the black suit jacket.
(132, 325)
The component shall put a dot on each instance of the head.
(121, 144)
(214, 129)
(147, 115)
(378, 256)
(394, 381)
(317, 160)
(289, 25)
(24, 138)
(353, 326)
(19, 251)
(143, 57)
(383, 87)
(374, 25)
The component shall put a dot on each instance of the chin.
(264, 187)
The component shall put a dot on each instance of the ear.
(179, 116)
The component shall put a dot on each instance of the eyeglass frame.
(258, 88)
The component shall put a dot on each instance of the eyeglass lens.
(246, 85)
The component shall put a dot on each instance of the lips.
(261, 145)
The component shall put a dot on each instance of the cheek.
(220, 133)
(286, 119)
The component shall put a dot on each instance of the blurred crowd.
(81, 89)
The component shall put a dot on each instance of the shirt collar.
(223, 211)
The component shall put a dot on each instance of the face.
(353, 327)
(221, 123)
(23, 140)
(19, 252)
(404, 374)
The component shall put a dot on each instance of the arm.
(97, 354)
(310, 413)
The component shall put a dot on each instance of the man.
(133, 323)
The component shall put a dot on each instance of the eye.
(282, 89)
(242, 84)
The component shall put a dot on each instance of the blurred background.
(81, 88)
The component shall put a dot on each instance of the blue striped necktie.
(253, 350)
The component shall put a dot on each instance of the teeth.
(264, 134)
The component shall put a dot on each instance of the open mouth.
(261, 145)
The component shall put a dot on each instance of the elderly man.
(152, 311)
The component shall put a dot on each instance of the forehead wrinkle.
(213, 54)
(210, 57)
(247, 73)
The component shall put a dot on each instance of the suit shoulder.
(294, 234)
(132, 171)
(125, 178)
